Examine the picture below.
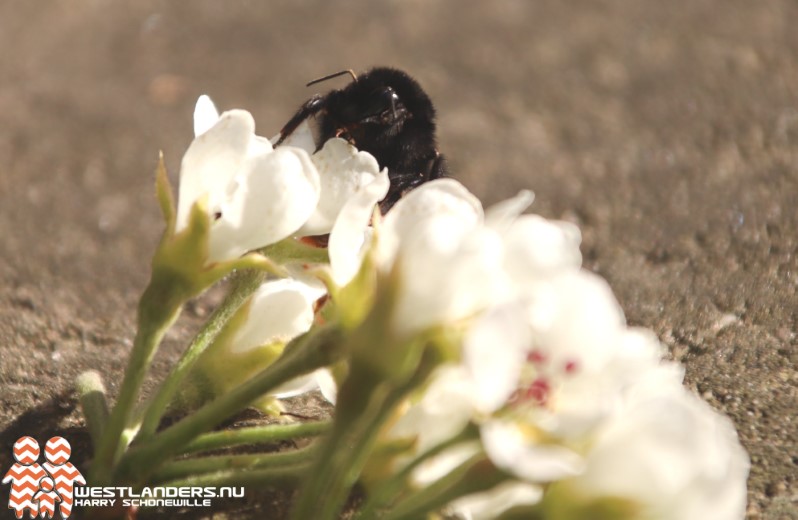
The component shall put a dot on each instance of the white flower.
(673, 456)
(442, 198)
(351, 233)
(254, 196)
(449, 262)
(597, 409)
(344, 172)
(537, 249)
(581, 357)
(581, 363)
(444, 409)
(457, 395)
(279, 311)
(502, 214)
(453, 260)
(494, 353)
(562, 389)
(453, 267)
(515, 447)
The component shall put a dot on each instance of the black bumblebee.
(384, 112)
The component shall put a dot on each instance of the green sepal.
(181, 262)
(294, 250)
(166, 199)
(218, 370)
(355, 299)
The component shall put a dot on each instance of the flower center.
(540, 378)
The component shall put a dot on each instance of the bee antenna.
(335, 75)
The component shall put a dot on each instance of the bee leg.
(437, 167)
(309, 108)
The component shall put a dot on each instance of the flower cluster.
(253, 196)
(572, 404)
(479, 370)
(256, 195)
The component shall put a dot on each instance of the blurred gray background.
(667, 131)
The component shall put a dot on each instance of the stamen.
(538, 391)
(536, 357)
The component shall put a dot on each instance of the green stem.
(246, 283)
(187, 467)
(312, 350)
(158, 308)
(342, 457)
(370, 401)
(292, 250)
(91, 392)
(255, 435)
(475, 475)
(284, 476)
(392, 487)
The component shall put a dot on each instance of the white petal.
(444, 410)
(575, 317)
(438, 198)
(488, 505)
(673, 454)
(511, 449)
(259, 146)
(212, 161)
(538, 249)
(441, 465)
(441, 196)
(494, 352)
(343, 171)
(435, 233)
(275, 194)
(327, 384)
(205, 115)
(449, 272)
(321, 380)
(302, 138)
(501, 215)
(349, 232)
(300, 385)
(278, 311)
